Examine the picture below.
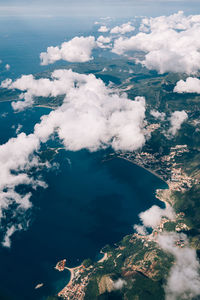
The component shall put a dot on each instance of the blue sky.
(98, 8)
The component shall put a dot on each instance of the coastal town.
(168, 170)
(60, 266)
(75, 288)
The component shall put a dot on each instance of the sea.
(89, 202)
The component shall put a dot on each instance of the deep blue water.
(88, 203)
(22, 41)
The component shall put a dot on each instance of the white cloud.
(183, 281)
(7, 67)
(103, 28)
(16, 157)
(103, 42)
(78, 49)
(152, 217)
(18, 129)
(124, 28)
(119, 284)
(170, 44)
(191, 85)
(60, 84)
(116, 120)
(7, 242)
(140, 229)
(176, 120)
(92, 116)
(158, 115)
(184, 278)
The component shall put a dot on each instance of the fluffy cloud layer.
(78, 49)
(43, 87)
(176, 120)
(103, 42)
(103, 28)
(170, 44)
(91, 117)
(191, 85)
(184, 278)
(115, 120)
(124, 28)
(16, 157)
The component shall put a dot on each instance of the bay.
(89, 203)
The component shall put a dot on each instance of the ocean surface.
(89, 202)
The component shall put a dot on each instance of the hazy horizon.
(95, 8)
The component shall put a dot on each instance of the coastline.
(72, 270)
(105, 257)
(44, 106)
(69, 285)
(9, 100)
(149, 170)
(168, 189)
(72, 275)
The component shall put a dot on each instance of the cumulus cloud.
(183, 281)
(116, 120)
(158, 115)
(78, 49)
(170, 44)
(191, 85)
(176, 120)
(103, 28)
(43, 87)
(152, 217)
(16, 157)
(184, 278)
(124, 28)
(92, 116)
(103, 42)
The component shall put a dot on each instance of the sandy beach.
(105, 257)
